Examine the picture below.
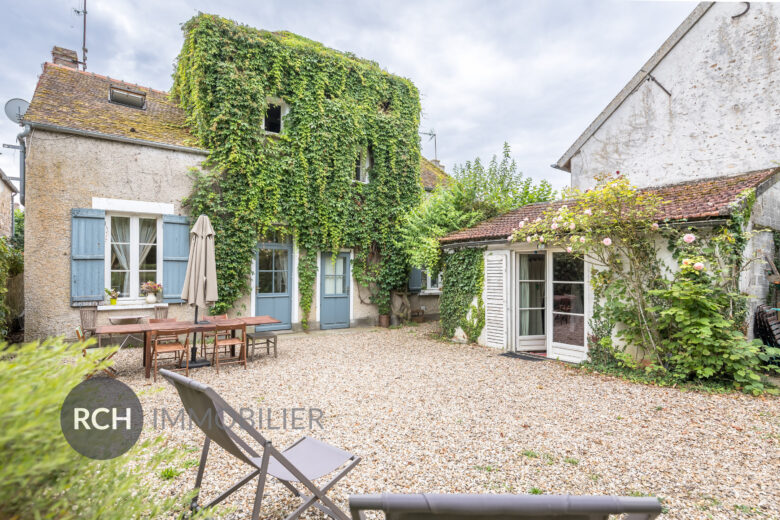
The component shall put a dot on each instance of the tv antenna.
(83, 13)
(431, 135)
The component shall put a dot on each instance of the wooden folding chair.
(209, 335)
(168, 342)
(303, 462)
(109, 371)
(160, 312)
(88, 316)
(225, 343)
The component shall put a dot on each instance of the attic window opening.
(127, 97)
(273, 118)
(363, 163)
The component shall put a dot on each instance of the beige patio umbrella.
(200, 280)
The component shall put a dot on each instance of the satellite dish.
(15, 109)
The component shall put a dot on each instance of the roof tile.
(78, 100)
(695, 200)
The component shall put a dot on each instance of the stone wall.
(722, 117)
(65, 172)
(5, 210)
(766, 210)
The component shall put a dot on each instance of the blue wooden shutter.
(415, 280)
(87, 254)
(176, 251)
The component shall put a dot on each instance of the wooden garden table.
(148, 328)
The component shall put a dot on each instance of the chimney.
(438, 164)
(66, 57)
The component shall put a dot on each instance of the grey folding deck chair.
(503, 507)
(305, 461)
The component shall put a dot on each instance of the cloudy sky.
(532, 73)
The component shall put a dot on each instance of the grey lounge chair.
(503, 507)
(306, 460)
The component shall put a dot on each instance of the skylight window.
(127, 97)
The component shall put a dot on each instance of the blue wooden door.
(334, 291)
(273, 283)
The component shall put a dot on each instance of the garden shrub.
(41, 476)
(11, 264)
(701, 341)
(18, 238)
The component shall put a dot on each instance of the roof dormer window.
(127, 97)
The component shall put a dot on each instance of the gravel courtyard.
(431, 416)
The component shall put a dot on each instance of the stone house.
(107, 166)
(698, 125)
(7, 193)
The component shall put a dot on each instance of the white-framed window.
(133, 253)
(363, 163)
(430, 285)
(275, 110)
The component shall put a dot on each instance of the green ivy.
(300, 181)
(462, 282)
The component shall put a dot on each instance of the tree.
(18, 238)
(475, 194)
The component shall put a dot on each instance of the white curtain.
(525, 295)
(120, 240)
(531, 267)
(148, 232)
(536, 269)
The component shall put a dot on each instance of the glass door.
(273, 295)
(531, 302)
(568, 307)
(334, 300)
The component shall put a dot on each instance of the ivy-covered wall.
(302, 179)
(462, 283)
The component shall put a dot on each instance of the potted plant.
(384, 316)
(151, 290)
(113, 294)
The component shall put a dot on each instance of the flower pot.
(113, 301)
(384, 320)
(151, 298)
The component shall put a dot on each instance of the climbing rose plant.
(676, 320)
(300, 181)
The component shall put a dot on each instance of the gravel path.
(432, 416)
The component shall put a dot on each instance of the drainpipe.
(13, 223)
(22, 154)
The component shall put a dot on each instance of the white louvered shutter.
(496, 298)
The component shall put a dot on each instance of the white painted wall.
(723, 116)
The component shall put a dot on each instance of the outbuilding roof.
(693, 200)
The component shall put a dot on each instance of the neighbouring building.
(698, 124)
(7, 192)
(107, 166)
